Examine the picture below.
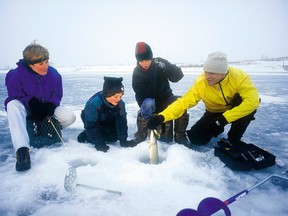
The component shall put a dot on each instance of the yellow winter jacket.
(236, 81)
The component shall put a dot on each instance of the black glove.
(217, 126)
(161, 65)
(37, 109)
(101, 147)
(49, 108)
(154, 121)
(128, 143)
(236, 100)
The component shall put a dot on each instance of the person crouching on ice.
(35, 91)
(105, 117)
(229, 97)
(151, 80)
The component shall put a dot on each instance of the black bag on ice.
(42, 133)
(243, 156)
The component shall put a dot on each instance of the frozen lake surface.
(182, 179)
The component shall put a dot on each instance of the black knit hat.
(112, 86)
(143, 51)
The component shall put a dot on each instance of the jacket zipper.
(223, 94)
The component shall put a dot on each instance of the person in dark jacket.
(105, 117)
(150, 82)
(34, 90)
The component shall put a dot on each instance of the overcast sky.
(104, 32)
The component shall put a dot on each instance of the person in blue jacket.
(35, 91)
(105, 117)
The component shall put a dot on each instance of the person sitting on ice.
(105, 117)
(34, 90)
(229, 96)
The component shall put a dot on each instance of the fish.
(153, 148)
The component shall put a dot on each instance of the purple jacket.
(23, 83)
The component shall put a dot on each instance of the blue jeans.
(148, 107)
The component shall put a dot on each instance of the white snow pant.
(16, 114)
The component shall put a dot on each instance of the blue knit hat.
(112, 86)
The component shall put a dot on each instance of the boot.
(128, 143)
(239, 127)
(23, 159)
(167, 132)
(236, 132)
(142, 125)
(180, 130)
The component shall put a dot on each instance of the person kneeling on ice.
(34, 90)
(105, 117)
(229, 96)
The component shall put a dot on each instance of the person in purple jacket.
(34, 90)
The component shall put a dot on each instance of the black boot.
(142, 125)
(239, 127)
(23, 159)
(180, 130)
(128, 143)
(167, 132)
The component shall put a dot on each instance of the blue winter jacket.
(23, 83)
(103, 121)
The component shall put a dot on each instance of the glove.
(37, 109)
(161, 65)
(154, 121)
(217, 126)
(128, 143)
(49, 108)
(82, 137)
(101, 147)
(236, 100)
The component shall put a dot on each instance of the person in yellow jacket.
(229, 96)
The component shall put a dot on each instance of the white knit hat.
(216, 63)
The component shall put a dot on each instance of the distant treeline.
(187, 65)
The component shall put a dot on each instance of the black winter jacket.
(154, 83)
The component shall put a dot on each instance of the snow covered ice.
(181, 180)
